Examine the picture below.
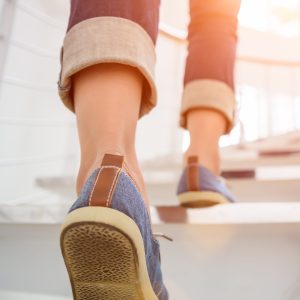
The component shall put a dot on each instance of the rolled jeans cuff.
(208, 94)
(107, 40)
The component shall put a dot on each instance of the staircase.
(248, 250)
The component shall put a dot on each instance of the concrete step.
(12, 295)
(53, 211)
(245, 191)
(224, 261)
(162, 186)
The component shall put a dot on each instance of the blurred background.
(244, 251)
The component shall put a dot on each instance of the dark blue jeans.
(212, 41)
(212, 31)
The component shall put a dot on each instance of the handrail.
(179, 36)
(34, 49)
(28, 85)
(37, 159)
(57, 123)
(270, 62)
(42, 17)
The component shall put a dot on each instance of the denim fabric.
(212, 31)
(83, 199)
(127, 199)
(207, 182)
(143, 12)
(212, 41)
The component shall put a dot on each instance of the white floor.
(10, 295)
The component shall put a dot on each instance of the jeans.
(125, 31)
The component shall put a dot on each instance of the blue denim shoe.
(107, 242)
(198, 187)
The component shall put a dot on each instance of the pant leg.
(209, 73)
(111, 31)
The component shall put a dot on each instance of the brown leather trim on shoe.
(106, 180)
(192, 173)
(113, 160)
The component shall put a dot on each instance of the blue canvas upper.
(207, 181)
(128, 200)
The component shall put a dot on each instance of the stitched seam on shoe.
(109, 166)
(91, 195)
(148, 214)
(132, 177)
(193, 164)
(127, 175)
(108, 201)
(132, 181)
(100, 170)
(161, 289)
(111, 188)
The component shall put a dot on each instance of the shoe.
(199, 187)
(107, 242)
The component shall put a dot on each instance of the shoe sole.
(104, 254)
(200, 199)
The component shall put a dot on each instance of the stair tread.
(239, 213)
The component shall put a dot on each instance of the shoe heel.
(104, 254)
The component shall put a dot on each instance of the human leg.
(208, 100)
(107, 80)
(107, 101)
(111, 42)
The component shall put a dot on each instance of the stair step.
(164, 187)
(13, 295)
(223, 261)
(245, 190)
(51, 212)
(238, 213)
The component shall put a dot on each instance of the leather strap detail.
(106, 180)
(113, 160)
(192, 174)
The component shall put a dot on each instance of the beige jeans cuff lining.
(108, 40)
(209, 94)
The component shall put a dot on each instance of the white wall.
(38, 136)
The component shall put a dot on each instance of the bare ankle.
(205, 127)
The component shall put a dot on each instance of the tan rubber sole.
(104, 254)
(201, 199)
